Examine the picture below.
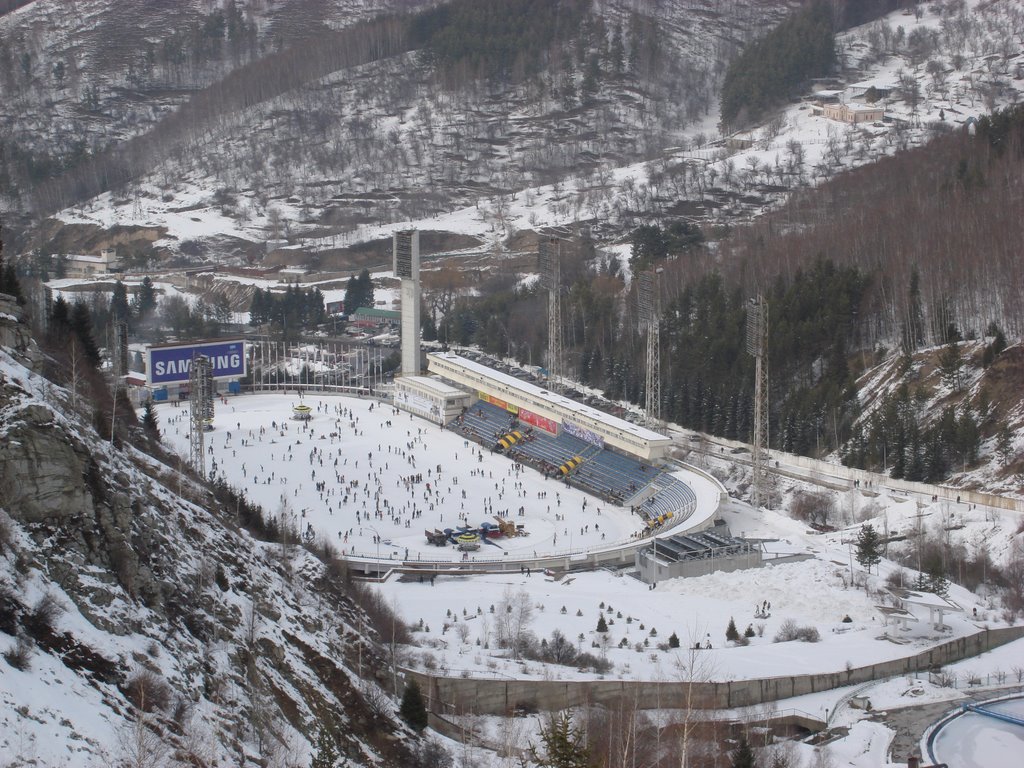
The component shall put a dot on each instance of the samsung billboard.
(171, 364)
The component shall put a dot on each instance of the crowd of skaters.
(359, 492)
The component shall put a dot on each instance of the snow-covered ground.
(344, 476)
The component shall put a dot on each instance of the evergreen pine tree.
(937, 582)
(81, 325)
(60, 317)
(413, 710)
(564, 746)
(326, 749)
(950, 363)
(869, 547)
(673, 640)
(602, 625)
(8, 277)
(149, 422)
(1004, 443)
(119, 302)
(731, 634)
(743, 756)
(145, 299)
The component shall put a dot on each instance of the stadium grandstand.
(610, 458)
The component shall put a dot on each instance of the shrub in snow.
(790, 630)
(601, 606)
(602, 625)
(20, 654)
(147, 691)
(40, 621)
(749, 631)
(9, 609)
(673, 640)
(563, 611)
(579, 611)
(654, 632)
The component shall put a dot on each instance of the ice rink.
(371, 479)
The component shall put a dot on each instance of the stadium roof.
(566, 404)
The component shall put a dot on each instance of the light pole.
(376, 538)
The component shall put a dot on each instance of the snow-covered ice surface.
(364, 455)
(973, 740)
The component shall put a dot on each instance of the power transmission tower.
(200, 384)
(649, 304)
(757, 345)
(549, 263)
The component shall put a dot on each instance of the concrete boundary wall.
(850, 474)
(499, 696)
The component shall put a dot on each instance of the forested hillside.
(915, 251)
(270, 96)
(773, 68)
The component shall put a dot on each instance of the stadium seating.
(604, 473)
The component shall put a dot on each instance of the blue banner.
(577, 430)
(171, 365)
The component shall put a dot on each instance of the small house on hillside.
(853, 114)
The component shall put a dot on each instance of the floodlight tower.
(549, 264)
(406, 255)
(649, 301)
(119, 358)
(757, 345)
(200, 385)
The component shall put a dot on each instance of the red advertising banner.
(548, 425)
(498, 402)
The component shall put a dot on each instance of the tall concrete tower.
(406, 253)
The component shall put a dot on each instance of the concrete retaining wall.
(500, 696)
(868, 480)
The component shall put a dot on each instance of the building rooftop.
(566, 404)
(432, 383)
(380, 314)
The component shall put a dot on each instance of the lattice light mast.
(649, 305)
(119, 358)
(549, 264)
(200, 384)
(757, 345)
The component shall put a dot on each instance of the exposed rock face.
(15, 335)
(40, 471)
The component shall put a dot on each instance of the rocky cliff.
(140, 623)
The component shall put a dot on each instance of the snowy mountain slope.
(485, 163)
(141, 624)
(337, 138)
